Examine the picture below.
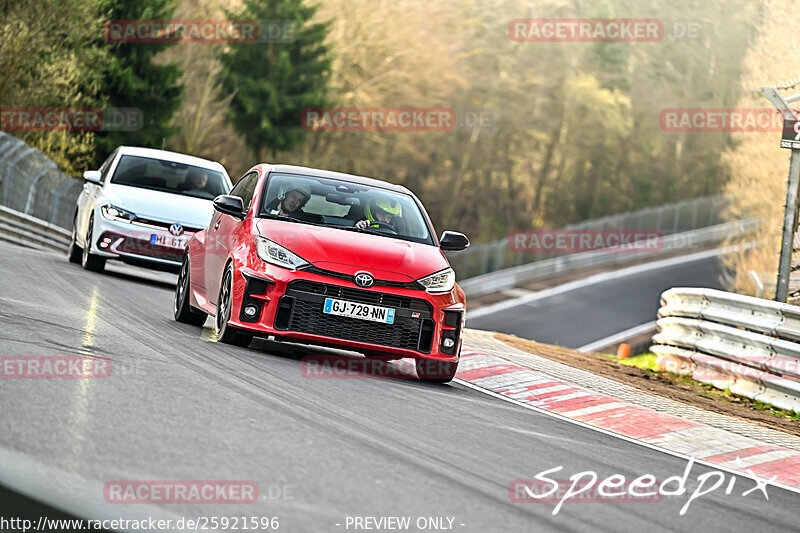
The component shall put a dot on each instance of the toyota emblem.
(176, 229)
(363, 279)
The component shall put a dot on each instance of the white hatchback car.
(142, 207)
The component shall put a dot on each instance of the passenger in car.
(291, 201)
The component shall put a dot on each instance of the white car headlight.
(278, 255)
(115, 213)
(441, 281)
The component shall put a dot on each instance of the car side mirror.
(452, 241)
(93, 176)
(230, 205)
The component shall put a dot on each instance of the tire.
(89, 261)
(74, 252)
(181, 310)
(434, 371)
(225, 332)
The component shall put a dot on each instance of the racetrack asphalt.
(595, 311)
(178, 406)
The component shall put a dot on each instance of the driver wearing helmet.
(290, 201)
(380, 211)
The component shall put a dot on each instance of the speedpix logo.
(587, 486)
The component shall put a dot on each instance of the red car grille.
(300, 310)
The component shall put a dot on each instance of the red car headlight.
(276, 254)
(441, 281)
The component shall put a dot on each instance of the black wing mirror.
(452, 241)
(230, 205)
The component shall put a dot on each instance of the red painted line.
(551, 394)
(741, 454)
(544, 385)
(494, 370)
(630, 420)
(636, 422)
(785, 470)
(580, 403)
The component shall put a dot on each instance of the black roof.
(317, 172)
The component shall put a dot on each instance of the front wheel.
(182, 311)
(225, 332)
(90, 261)
(436, 371)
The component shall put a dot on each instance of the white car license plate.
(168, 240)
(373, 313)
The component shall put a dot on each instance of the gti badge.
(176, 229)
(363, 279)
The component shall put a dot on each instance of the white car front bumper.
(115, 239)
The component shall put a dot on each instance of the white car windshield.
(170, 177)
(343, 204)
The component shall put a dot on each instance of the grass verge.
(648, 362)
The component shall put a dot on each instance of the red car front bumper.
(289, 304)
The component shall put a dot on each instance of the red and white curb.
(537, 390)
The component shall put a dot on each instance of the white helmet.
(302, 188)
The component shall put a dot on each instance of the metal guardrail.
(32, 184)
(748, 345)
(686, 241)
(25, 230)
(679, 217)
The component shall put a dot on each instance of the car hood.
(348, 252)
(161, 206)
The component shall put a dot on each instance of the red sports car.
(321, 257)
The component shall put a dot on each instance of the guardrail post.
(677, 217)
(11, 164)
(34, 183)
(57, 199)
(485, 261)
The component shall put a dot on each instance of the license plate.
(168, 241)
(372, 313)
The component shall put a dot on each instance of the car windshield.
(343, 204)
(170, 177)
